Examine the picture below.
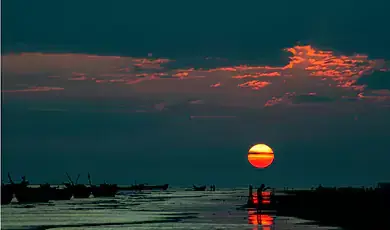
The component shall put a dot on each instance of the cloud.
(196, 102)
(255, 85)
(257, 75)
(216, 85)
(34, 89)
(326, 72)
(291, 98)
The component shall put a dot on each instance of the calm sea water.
(172, 209)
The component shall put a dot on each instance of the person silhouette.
(250, 196)
(259, 197)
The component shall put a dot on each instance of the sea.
(175, 208)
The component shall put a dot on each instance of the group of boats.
(201, 188)
(24, 193)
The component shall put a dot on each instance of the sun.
(260, 156)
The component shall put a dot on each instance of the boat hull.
(104, 190)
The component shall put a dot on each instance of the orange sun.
(260, 156)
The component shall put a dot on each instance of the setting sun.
(260, 156)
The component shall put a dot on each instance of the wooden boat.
(56, 193)
(201, 188)
(6, 194)
(25, 194)
(103, 190)
(77, 190)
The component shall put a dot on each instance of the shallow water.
(172, 209)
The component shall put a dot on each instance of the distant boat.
(57, 193)
(103, 190)
(201, 188)
(78, 190)
(141, 187)
(6, 194)
(24, 194)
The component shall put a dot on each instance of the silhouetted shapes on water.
(56, 193)
(24, 194)
(6, 193)
(348, 208)
(201, 188)
(212, 187)
(250, 201)
(384, 187)
(62, 194)
(103, 190)
(78, 190)
(141, 187)
(44, 193)
(261, 200)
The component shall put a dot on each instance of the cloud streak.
(326, 73)
(34, 89)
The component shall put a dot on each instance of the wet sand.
(172, 209)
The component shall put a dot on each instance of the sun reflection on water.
(258, 219)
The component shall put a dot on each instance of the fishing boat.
(6, 194)
(25, 194)
(78, 190)
(103, 190)
(56, 193)
(200, 188)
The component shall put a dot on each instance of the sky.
(167, 92)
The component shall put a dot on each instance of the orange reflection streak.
(260, 219)
(265, 198)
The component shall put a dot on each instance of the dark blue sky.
(177, 29)
(82, 114)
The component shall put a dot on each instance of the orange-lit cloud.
(329, 74)
(79, 78)
(257, 75)
(256, 85)
(216, 85)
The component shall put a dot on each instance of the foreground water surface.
(172, 209)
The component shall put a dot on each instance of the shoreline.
(347, 209)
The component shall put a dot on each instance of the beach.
(171, 209)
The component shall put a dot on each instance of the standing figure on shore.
(260, 197)
(250, 196)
